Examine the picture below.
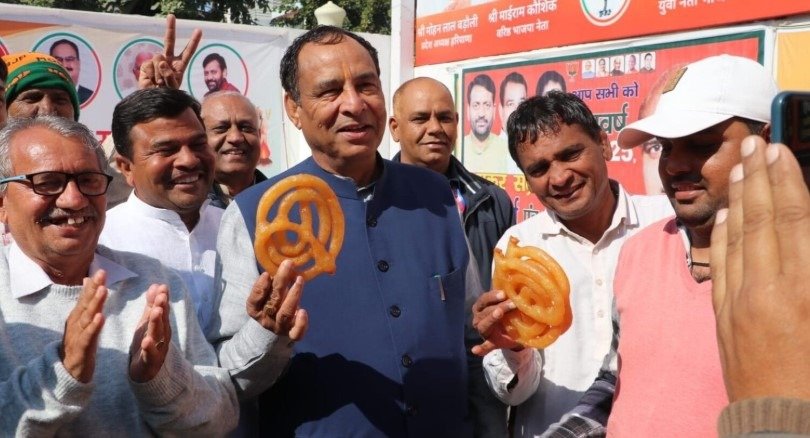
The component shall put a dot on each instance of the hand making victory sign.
(165, 69)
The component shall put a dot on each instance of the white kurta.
(135, 226)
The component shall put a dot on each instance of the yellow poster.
(793, 59)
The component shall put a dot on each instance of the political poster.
(614, 84)
(103, 53)
(453, 30)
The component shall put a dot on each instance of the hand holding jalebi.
(311, 254)
(539, 288)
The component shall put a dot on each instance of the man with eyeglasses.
(67, 53)
(90, 341)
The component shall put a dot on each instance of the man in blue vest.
(384, 352)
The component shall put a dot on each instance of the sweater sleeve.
(254, 356)
(765, 417)
(40, 397)
(190, 394)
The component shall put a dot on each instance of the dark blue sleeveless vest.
(384, 353)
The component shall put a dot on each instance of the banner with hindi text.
(612, 83)
(453, 30)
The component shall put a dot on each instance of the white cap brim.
(670, 124)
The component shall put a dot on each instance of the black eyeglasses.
(54, 183)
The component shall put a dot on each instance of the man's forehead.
(42, 143)
(481, 92)
(514, 86)
(312, 52)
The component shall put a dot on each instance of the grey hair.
(60, 125)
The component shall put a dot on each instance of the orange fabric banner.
(452, 30)
(613, 84)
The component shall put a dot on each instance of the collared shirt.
(550, 382)
(138, 227)
(489, 156)
(26, 277)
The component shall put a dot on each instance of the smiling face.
(172, 166)
(232, 125)
(214, 75)
(67, 56)
(50, 229)
(567, 171)
(341, 109)
(513, 94)
(694, 170)
(425, 124)
(480, 108)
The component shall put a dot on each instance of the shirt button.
(600, 314)
(371, 222)
(406, 361)
(394, 311)
(411, 410)
(382, 265)
(598, 281)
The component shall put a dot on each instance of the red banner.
(613, 85)
(452, 30)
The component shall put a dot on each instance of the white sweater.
(38, 397)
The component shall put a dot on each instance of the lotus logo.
(604, 12)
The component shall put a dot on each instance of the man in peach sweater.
(670, 381)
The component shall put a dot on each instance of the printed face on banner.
(482, 111)
(128, 62)
(79, 59)
(513, 94)
(619, 89)
(217, 67)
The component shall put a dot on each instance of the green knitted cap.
(37, 70)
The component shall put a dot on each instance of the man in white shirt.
(563, 153)
(90, 345)
(163, 153)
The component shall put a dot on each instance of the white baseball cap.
(703, 94)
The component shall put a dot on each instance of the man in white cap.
(670, 382)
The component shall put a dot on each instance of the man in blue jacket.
(425, 125)
(384, 352)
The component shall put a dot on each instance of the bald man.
(232, 126)
(425, 124)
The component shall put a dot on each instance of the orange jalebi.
(538, 286)
(311, 253)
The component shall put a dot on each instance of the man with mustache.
(92, 341)
(483, 150)
(215, 72)
(232, 125)
(665, 343)
(424, 123)
(563, 153)
(384, 355)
